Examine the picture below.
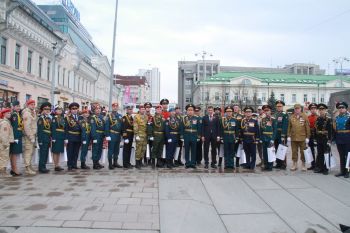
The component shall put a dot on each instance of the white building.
(153, 79)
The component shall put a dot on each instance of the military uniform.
(157, 131)
(6, 138)
(44, 138)
(180, 144)
(17, 125)
(97, 135)
(199, 150)
(312, 119)
(172, 135)
(140, 131)
(30, 130)
(73, 135)
(113, 129)
(250, 137)
(268, 131)
(238, 117)
(281, 135)
(58, 134)
(85, 140)
(128, 134)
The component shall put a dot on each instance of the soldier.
(97, 135)
(165, 113)
(58, 137)
(268, 127)
(323, 136)
(229, 133)
(238, 116)
(6, 138)
(128, 136)
(312, 119)
(250, 137)
(44, 136)
(210, 136)
(73, 136)
(156, 134)
(298, 134)
(85, 137)
(148, 107)
(113, 131)
(190, 135)
(178, 115)
(199, 150)
(140, 131)
(282, 127)
(16, 147)
(260, 147)
(172, 136)
(30, 130)
(342, 136)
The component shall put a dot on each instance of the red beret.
(5, 110)
(159, 106)
(30, 102)
(85, 111)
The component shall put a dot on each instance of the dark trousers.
(343, 150)
(127, 152)
(280, 163)
(250, 153)
(190, 147)
(180, 143)
(113, 149)
(311, 144)
(322, 148)
(266, 145)
(213, 142)
(199, 152)
(43, 155)
(171, 148)
(229, 148)
(97, 149)
(72, 153)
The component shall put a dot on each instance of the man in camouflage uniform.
(140, 131)
(6, 137)
(156, 132)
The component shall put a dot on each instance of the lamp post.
(203, 54)
(113, 57)
(53, 79)
(340, 61)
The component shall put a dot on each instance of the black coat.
(210, 128)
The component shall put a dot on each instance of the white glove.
(66, 141)
(126, 141)
(272, 142)
(170, 140)
(289, 139)
(94, 141)
(137, 138)
(198, 139)
(84, 142)
(16, 141)
(307, 140)
(53, 140)
(108, 138)
(181, 139)
(151, 138)
(218, 139)
(32, 141)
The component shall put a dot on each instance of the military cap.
(341, 104)
(15, 103)
(312, 105)
(128, 107)
(30, 102)
(57, 107)
(172, 110)
(72, 105)
(189, 106)
(217, 108)
(164, 101)
(197, 109)
(297, 105)
(322, 106)
(5, 110)
(148, 104)
(228, 108)
(266, 106)
(280, 102)
(248, 108)
(45, 104)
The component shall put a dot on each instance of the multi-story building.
(37, 53)
(153, 79)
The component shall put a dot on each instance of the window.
(3, 50)
(314, 98)
(17, 56)
(227, 96)
(282, 97)
(40, 65)
(188, 92)
(305, 98)
(29, 62)
(322, 98)
(188, 100)
(246, 82)
(48, 70)
(188, 82)
(263, 97)
(236, 97)
(217, 96)
(294, 98)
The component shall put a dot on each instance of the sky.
(266, 33)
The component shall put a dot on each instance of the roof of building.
(130, 80)
(275, 77)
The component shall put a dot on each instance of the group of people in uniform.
(160, 138)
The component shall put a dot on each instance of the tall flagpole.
(113, 57)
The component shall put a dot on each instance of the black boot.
(168, 164)
(96, 165)
(153, 161)
(115, 164)
(138, 164)
(220, 162)
(110, 164)
(84, 166)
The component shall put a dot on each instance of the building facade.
(153, 79)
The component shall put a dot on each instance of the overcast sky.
(159, 33)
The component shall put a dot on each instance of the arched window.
(246, 82)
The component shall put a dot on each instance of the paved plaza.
(174, 201)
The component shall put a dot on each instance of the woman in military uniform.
(16, 147)
(85, 137)
(58, 137)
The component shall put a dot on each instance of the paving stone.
(97, 216)
(120, 194)
(48, 223)
(129, 201)
(290, 182)
(114, 208)
(123, 217)
(137, 225)
(142, 195)
(7, 229)
(69, 215)
(77, 224)
(107, 225)
(139, 209)
(261, 182)
(17, 223)
(148, 201)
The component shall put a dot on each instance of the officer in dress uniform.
(73, 136)
(157, 135)
(178, 115)
(282, 128)
(16, 147)
(97, 135)
(84, 122)
(6, 138)
(190, 132)
(113, 131)
(312, 119)
(30, 130)
(342, 136)
(128, 136)
(44, 135)
(268, 127)
(250, 136)
(140, 131)
(229, 133)
(58, 136)
(238, 116)
(199, 150)
(172, 135)
(323, 137)
(148, 107)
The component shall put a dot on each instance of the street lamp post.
(113, 56)
(53, 80)
(203, 54)
(340, 61)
